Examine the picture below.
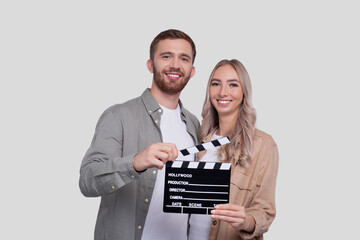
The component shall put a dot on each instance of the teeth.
(224, 102)
(173, 75)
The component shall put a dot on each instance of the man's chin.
(173, 90)
(169, 86)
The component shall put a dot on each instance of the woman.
(228, 111)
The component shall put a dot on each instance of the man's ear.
(150, 65)
(192, 72)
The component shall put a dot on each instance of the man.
(133, 141)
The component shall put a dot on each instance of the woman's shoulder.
(264, 138)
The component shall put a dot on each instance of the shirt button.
(113, 187)
(214, 222)
(160, 110)
(139, 227)
(146, 200)
(150, 111)
(156, 121)
(132, 176)
(154, 172)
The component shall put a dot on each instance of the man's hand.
(156, 155)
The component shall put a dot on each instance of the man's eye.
(166, 56)
(185, 59)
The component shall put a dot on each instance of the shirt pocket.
(242, 189)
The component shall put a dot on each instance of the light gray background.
(62, 63)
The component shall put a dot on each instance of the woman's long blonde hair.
(243, 133)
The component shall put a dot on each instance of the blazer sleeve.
(262, 207)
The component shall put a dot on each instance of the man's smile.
(173, 76)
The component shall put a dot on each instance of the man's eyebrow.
(170, 53)
(185, 55)
(165, 53)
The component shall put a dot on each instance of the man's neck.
(167, 100)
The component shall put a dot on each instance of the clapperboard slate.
(196, 187)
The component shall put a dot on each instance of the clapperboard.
(196, 187)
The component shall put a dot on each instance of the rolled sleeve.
(262, 208)
(103, 170)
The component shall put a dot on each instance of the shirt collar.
(152, 105)
(149, 101)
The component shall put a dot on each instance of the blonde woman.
(228, 111)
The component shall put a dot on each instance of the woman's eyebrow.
(233, 80)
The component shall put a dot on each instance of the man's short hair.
(171, 34)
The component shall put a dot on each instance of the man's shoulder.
(124, 108)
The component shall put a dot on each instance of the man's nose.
(175, 63)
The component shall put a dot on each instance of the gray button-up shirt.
(107, 170)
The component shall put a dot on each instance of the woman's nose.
(224, 91)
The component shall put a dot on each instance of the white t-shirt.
(160, 225)
(199, 223)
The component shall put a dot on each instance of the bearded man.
(133, 141)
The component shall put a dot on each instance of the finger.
(170, 155)
(231, 210)
(231, 220)
(162, 156)
(228, 213)
(229, 206)
(175, 152)
(170, 149)
(158, 164)
(235, 221)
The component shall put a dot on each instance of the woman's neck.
(226, 125)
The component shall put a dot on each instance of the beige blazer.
(252, 186)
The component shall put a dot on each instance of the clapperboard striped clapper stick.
(196, 187)
(205, 146)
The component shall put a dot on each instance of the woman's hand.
(235, 215)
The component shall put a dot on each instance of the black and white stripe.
(199, 165)
(205, 146)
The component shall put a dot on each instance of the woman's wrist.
(249, 224)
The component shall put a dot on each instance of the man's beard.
(172, 87)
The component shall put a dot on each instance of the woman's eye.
(233, 85)
(215, 84)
